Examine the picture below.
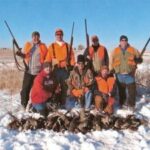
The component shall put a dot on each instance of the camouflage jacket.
(79, 81)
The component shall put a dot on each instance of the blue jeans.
(72, 102)
(125, 78)
(127, 89)
(88, 99)
(39, 107)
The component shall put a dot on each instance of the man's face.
(123, 43)
(104, 73)
(47, 70)
(95, 42)
(80, 65)
(59, 37)
(35, 39)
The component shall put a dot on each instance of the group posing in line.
(91, 80)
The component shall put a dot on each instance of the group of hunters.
(89, 81)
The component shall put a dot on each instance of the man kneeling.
(80, 86)
(44, 87)
(105, 91)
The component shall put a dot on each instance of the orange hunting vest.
(42, 48)
(55, 51)
(130, 58)
(101, 52)
(105, 86)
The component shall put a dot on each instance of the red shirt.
(38, 94)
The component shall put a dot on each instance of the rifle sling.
(67, 47)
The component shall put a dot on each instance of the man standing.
(34, 54)
(80, 84)
(124, 62)
(62, 60)
(97, 54)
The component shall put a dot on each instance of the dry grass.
(10, 80)
(6, 53)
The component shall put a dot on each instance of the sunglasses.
(124, 40)
(58, 34)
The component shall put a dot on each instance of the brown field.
(6, 56)
(11, 80)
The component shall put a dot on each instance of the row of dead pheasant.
(60, 122)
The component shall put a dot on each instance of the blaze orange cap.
(59, 31)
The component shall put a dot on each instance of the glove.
(111, 72)
(19, 53)
(77, 93)
(138, 60)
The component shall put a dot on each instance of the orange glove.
(77, 93)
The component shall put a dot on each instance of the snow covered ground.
(49, 140)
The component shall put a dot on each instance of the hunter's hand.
(55, 62)
(111, 72)
(109, 94)
(77, 92)
(58, 90)
(20, 54)
(138, 60)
